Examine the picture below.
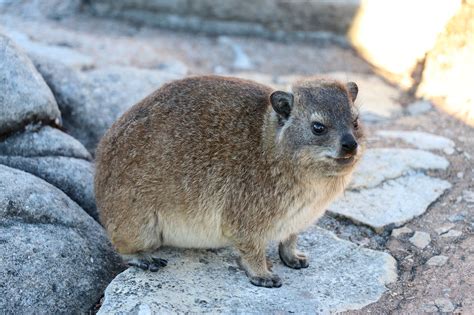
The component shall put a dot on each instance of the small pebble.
(420, 239)
(444, 305)
(401, 231)
(460, 175)
(452, 233)
(419, 107)
(437, 260)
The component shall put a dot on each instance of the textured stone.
(445, 228)
(421, 140)
(45, 141)
(75, 177)
(382, 164)
(341, 276)
(24, 96)
(420, 239)
(91, 101)
(439, 260)
(394, 202)
(54, 257)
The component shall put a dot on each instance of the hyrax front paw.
(268, 281)
(294, 260)
(153, 264)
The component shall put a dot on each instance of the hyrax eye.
(356, 123)
(318, 128)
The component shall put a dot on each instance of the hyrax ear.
(282, 103)
(353, 89)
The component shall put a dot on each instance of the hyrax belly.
(192, 232)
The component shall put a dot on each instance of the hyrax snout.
(216, 161)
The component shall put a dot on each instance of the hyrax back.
(215, 161)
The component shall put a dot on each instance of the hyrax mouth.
(347, 160)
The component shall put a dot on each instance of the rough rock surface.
(54, 257)
(341, 276)
(24, 96)
(394, 202)
(420, 139)
(381, 164)
(75, 177)
(45, 141)
(91, 101)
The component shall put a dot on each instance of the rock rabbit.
(213, 161)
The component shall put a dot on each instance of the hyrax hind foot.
(145, 262)
(257, 266)
(290, 256)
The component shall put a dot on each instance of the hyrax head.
(318, 125)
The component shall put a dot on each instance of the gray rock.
(439, 260)
(420, 239)
(91, 101)
(45, 141)
(421, 140)
(444, 305)
(394, 202)
(54, 257)
(24, 96)
(382, 164)
(75, 177)
(341, 276)
(419, 107)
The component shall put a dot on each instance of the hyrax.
(213, 161)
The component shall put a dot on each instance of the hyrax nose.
(348, 144)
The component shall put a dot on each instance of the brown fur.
(206, 162)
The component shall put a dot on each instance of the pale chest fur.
(308, 207)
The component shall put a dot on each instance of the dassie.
(212, 161)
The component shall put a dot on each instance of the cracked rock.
(341, 276)
(444, 305)
(54, 257)
(381, 164)
(452, 233)
(394, 202)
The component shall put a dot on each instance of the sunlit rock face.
(395, 36)
(449, 67)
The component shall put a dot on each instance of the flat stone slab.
(420, 139)
(341, 276)
(396, 201)
(381, 164)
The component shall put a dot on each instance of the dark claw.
(154, 267)
(160, 261)
(140, 264)
(268, 282)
